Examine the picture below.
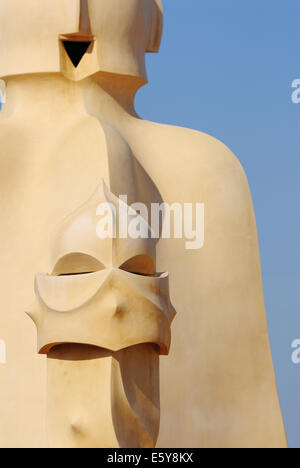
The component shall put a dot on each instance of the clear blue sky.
(226, 68)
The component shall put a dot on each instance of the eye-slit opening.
(77, 264)
(141, 265)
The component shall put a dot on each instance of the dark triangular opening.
(76, 50)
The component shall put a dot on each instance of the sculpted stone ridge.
(111, 309)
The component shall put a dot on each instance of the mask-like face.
(104, 293)
(118, 32)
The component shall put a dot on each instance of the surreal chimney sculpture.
(90, 374)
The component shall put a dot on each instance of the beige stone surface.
(59, 137)
(118, 404)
